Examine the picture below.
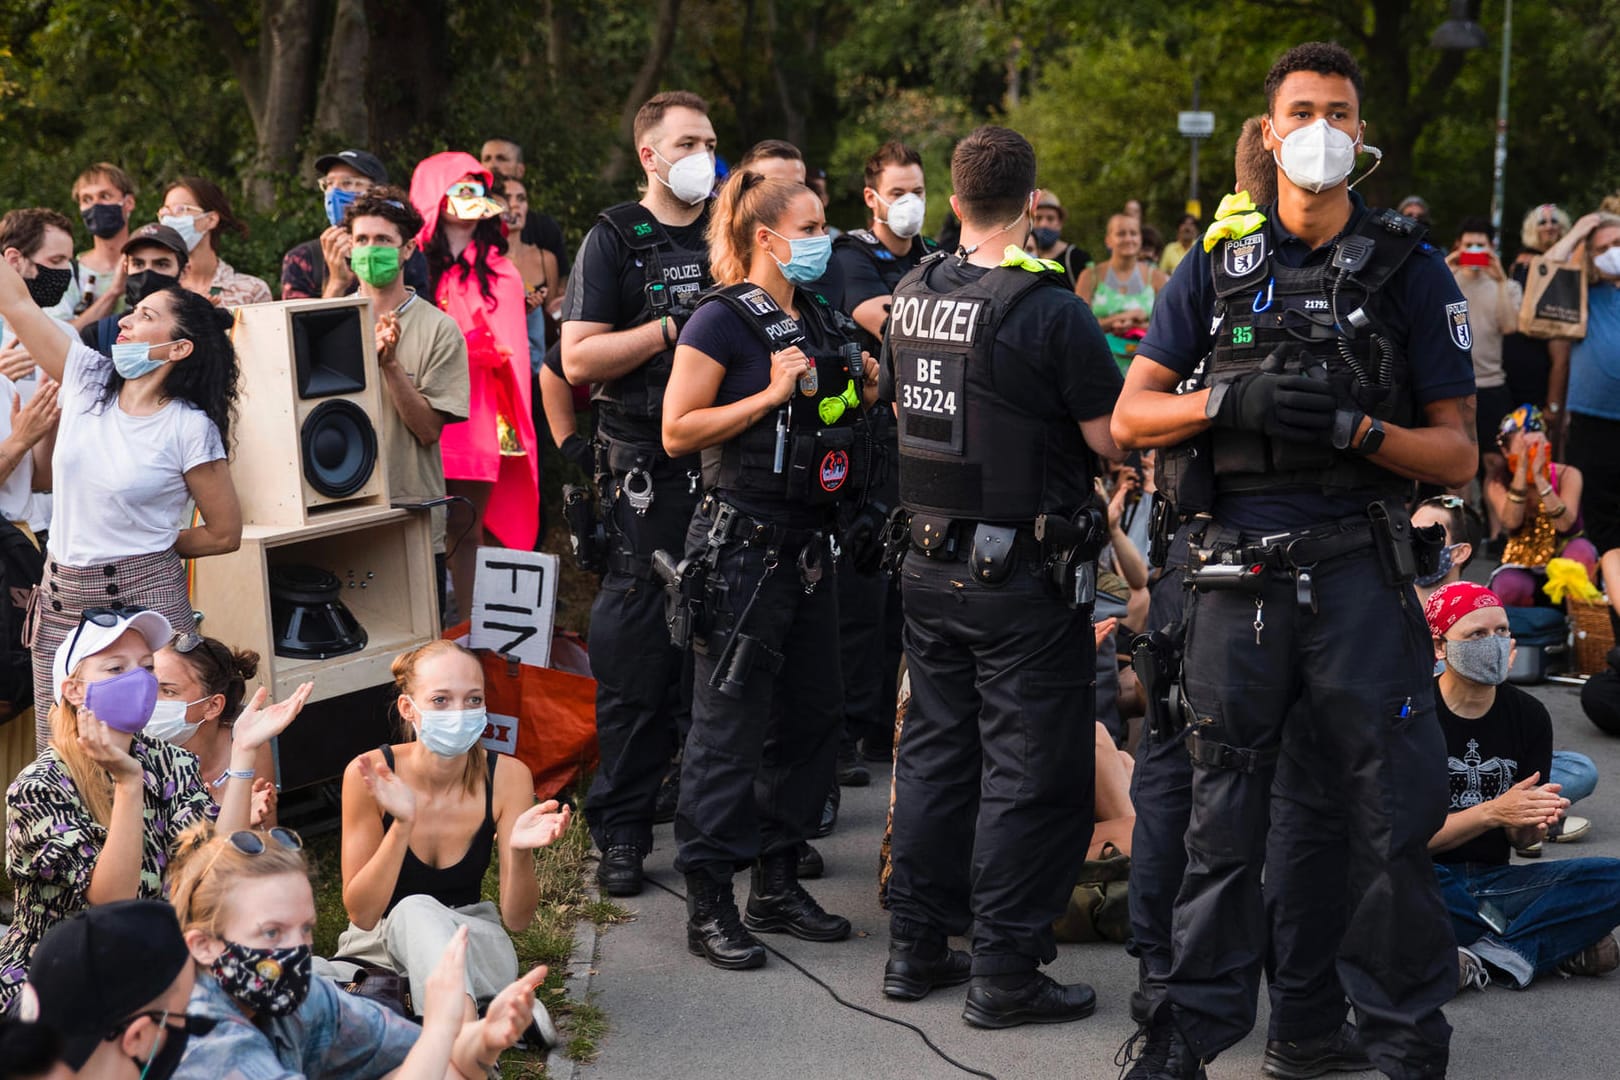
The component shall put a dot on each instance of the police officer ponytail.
(746, 201)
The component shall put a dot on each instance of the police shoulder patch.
(759, 301)
(1457, 324)
(1244, 253)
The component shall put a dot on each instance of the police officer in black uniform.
(871, 263)
(1339, 373)
(636, 279)
(1305, 879)
(1003, 385)
(769, 385)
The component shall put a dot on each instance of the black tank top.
(453, 886)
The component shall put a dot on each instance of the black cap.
(100, 967)
(161, 235)
(366, 163)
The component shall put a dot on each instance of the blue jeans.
(1523, 920)
(1576, 772)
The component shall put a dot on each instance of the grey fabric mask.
(1480, 660)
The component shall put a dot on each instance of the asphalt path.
(672, 1015)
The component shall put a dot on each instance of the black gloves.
(578, 452)
(1293, 407)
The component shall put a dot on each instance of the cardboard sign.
(515, 604)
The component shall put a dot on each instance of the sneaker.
(541, 1034)
(620, 871)
(1301, 1059)
(1038, 1000)
(1598, 958)
(1471, 973)
(1570, 830)
(1532, 851)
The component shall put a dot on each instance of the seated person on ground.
(421, 820)
(248, 914)
(1539, 505)
(1513, 922)
(1446, 511)
(109, 988)
(94, 818)
(202, 687)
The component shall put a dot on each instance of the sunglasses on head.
(102, 617)
(251, 843)
(465, 189)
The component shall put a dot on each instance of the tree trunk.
(287, 49)
(665, 23)
(340, 106)
(408, 78)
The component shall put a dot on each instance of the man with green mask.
(421, 353)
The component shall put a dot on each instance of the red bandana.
(1448, 604)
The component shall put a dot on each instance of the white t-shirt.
(16, 496)
(38, 514)
(120, 479)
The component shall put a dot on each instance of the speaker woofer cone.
(339, 448)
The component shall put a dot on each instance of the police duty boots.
(713, 930)
(810, 862)
(1003, 1001)
(917, 966)
(1337, 1051)
(1158, 1051)
(778, 904)
(619, 873)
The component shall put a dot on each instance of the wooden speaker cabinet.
(308, 439)
(384, 562)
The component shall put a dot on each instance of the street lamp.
(1460, 32)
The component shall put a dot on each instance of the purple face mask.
(123, 702)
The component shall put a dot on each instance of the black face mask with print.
(139, 286)
(49, 285)
(269, 981)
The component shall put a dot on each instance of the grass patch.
(560, 870)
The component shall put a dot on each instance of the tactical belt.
(751, 530)
(1298, 550)
(949, 540)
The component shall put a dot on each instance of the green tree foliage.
(171, 86)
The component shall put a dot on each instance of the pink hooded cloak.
(498, 365)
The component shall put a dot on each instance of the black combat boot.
(619, 873)
(811, 864)
(713, 930)
(1157, 1051)
(777, 903)
(917, 966)
(1338, 1050)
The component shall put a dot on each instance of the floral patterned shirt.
(52, 842)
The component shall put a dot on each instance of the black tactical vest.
(965, 451)
(1325, 319)
(673, 278)
(890, 268)
(824, 442)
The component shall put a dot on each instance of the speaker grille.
(339, 448)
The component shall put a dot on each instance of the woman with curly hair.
(142, 433)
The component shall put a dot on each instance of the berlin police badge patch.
(1457, 323)
(1245, 253)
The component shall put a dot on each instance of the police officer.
(1304, 886)
(636, 279)
(871, 263)
(770, 389)
(1003, 386)
(1339, 373)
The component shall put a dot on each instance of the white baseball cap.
(98, 628)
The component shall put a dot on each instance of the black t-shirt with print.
(1487, 756)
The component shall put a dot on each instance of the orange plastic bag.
(544, 717)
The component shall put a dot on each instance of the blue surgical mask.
(450, 732)
(808, 261)
(186, 226)
(132, 359)
(338, 202)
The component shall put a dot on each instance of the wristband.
(663, 325)
(1515, 497)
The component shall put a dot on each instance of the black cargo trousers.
(1359, 668)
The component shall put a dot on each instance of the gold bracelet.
(1516, 497)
